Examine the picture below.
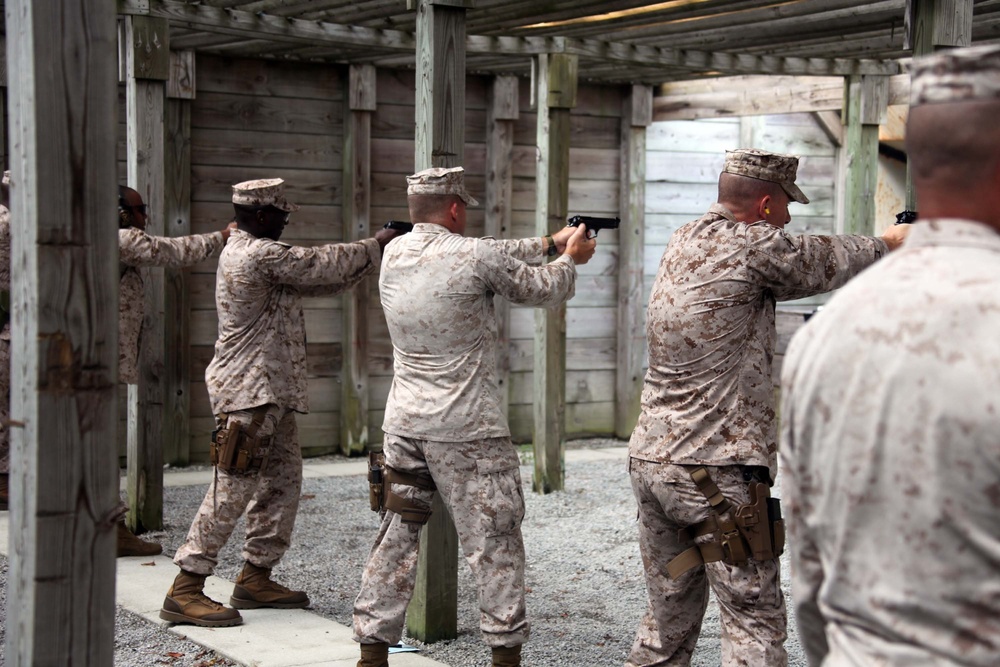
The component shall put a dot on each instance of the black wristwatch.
(552, 246)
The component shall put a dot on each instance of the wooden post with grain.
(64, 292)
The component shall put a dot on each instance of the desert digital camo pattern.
(750, 600)
(766, 166)
(269, 497)
(4, 342)
(263, 192)
(440, 181)
(891, 458)
(260, 355)
(480, 482)
(137, 250)
(956, 75)
(708, 396)
(437, 293)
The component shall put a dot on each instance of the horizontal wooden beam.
(740, 96)
(263, 26)
(234, 22)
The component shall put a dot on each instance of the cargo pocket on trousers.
(501, 499)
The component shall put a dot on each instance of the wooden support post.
(555, 94)
(177, 222)
(357, 224)
(866, 99)
(64, 276)
(147, 65)
(501, 112)
(932, 25)
(439, 142)
(637, 114)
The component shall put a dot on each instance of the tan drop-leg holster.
(381, 496)
(754, 529)
(237, 448)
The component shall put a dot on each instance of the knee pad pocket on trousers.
(501, 498)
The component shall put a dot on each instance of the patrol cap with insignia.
(958, 75)
(263, 192)
(774, 167)
(440, 181)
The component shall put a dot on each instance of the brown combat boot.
(507, 656)
(254, 589)
(186, 602)
(130, 545)
(3, 491)
(374, 655)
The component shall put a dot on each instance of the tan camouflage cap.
(958, 75)
(440, 181)
(766, 166)
(6, 178)
(263, 192)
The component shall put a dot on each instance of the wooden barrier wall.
(257, 119)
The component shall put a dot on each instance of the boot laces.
(201, 598)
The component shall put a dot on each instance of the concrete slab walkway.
(268, 637)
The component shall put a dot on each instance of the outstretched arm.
(137, 248)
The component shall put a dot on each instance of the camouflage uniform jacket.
(437, 293)
(891, 458)
(138, 249)
(260, 355)
(708, 396)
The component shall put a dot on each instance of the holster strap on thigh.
(409, 510)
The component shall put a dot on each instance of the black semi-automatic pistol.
(905, 217)
(399, 226)
(593, 224)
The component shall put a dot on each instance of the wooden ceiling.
(626, 41)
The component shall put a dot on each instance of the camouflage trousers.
(480, 483)
(4, 399)
(751, 603)
(270, 498)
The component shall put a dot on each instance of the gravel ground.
(584, 576)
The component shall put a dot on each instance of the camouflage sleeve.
(542, 286)
(4, 248)
(527, 250)
(137, 248)
(322, 270)
(807, 570)
(793, 267)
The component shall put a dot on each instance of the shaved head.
(431, 208)
(741, 191)
(954, 146)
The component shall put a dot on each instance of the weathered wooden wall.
(256, 119)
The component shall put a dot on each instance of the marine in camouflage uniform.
(443, 419)
(708, 400)
(891, 410)
(259, 369)
(138, 251)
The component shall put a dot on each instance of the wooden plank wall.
(593, 190)
(684, 158)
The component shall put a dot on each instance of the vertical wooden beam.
(361, 104)
(440, 94)
(147, 65)
(439, 142)
(637, 114)
(61, 577)
(866, 99)
(177, 219)
(556, 83)
(501, 112)
(933, 25)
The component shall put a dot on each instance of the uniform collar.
(952, 232)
